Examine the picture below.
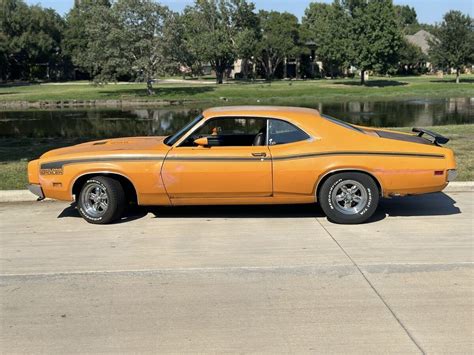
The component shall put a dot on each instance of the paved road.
(239, 279)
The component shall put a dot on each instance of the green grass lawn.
(14, 154)
(278, 92)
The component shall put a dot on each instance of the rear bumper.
(451, 175)
(36, 189)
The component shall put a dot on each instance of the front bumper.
(36, 189)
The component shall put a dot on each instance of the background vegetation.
(297, 93)
(140, 40)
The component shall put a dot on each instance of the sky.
(429, 11)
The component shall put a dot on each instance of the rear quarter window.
(282, 132)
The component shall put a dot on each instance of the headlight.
(452, 174)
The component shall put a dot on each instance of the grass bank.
(14, 154)
(278, 92)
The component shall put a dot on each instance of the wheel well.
(327, 176)
(128, 188)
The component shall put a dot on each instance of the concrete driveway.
(239, 279)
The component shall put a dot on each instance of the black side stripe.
(191, 158)
(59, 164)
(392, 154)
(304, 156)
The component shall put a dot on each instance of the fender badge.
(57, 171)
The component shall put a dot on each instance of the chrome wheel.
(95, 200)
(349, 197)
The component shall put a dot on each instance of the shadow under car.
(436, 204)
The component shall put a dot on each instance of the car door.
(294, 166)
(234, 168)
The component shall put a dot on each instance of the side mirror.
(207, 141)
(202, 142)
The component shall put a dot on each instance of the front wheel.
(101, 201)
(349, 198)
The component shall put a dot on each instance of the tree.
(211, 30)
(454, 43)
(126, 39)
(247, 43)
(75, 43)
(140, 30)
(4, 67)
(178, 49)
(406, 15)
(375, 35)
(280, 37)
(31, 40)
(248, 34)
(326, 25)
(411, 58)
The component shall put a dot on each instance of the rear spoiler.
(438, 138)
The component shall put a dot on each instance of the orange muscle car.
(248, 155)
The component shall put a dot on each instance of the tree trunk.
(149, 87)
(457, 75)
(244, 67)
(362, 77)
(269, 70)
(219, 75)
(219, 67)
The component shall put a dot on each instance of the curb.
(27, 196)
(17, 196)
(460, 186)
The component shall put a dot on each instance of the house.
(421, 39)
(302, 66)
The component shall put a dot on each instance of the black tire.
(114, 200)
(355, 207)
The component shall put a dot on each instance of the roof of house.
(421, 39)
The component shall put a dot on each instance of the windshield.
(342, 123)
(175, 137)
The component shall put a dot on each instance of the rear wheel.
(101, 200)
(349, 198)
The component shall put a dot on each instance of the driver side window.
(231, 132)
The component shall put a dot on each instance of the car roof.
(297, 114)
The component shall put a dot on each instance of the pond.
(86, 124)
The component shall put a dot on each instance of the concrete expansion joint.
(377, 293)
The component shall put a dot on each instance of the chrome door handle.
(259, 154)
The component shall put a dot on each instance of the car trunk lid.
(420, 137)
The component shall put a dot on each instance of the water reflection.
(95, 123)
(433, 112)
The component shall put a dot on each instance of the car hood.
(106, 146)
